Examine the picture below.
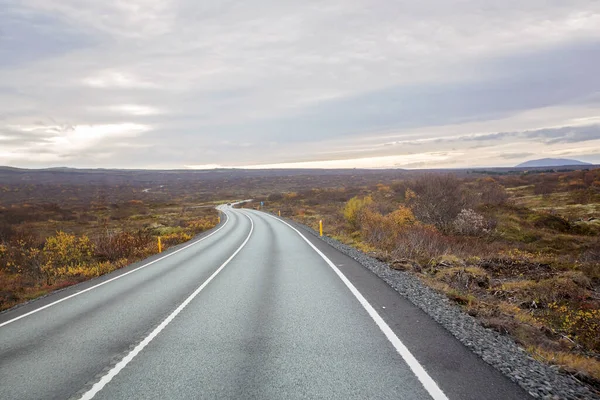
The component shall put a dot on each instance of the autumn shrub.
(545, 187)
(437, 199)
(175, 238)
(422, 243)
(377, 230)
(491, 192)
(201, 224)
(383, 230)
(354, 209)
(112, 246)
(582, 324)
(560, 288)
(403, 216)
(21, 258)
(589, 262)
(65, 251)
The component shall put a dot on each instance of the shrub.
(545, 187)
(470, 223)
(175, 238)
(378, 230)
(492, 192)
(201, 224)
(113, 246)
(354, 209)
(421, 242)
(553, 222)
(437, 199)
(582, 325)
(403, 216)
(383, 230)
(64, 251)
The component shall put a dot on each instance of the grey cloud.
(27, 37)
(434, 105)
(490, 136)
(291, 74)
(567, 134)
(511, 156)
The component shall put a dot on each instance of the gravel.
(542, 381)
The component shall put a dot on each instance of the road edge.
(540, 380)
(88, 284)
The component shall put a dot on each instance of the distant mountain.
(550, 162)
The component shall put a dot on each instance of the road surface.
(252, 309)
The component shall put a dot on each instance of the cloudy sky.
(327, 83)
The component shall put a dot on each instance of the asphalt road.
(251, 309)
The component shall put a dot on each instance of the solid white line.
(117, 368)
(112, 279)
(428, 383)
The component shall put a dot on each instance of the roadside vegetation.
(48, 246)
(519, 251)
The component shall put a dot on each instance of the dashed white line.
(98, 386)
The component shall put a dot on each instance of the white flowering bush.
(470, 223)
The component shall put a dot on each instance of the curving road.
(251, 309)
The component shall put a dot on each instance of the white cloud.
(263, 82)
(134, 109)
(116, 79)
(60, 143)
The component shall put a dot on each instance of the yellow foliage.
(354, 208)
(64, 250)
(175, 238)
(582, 325)
(202, 224)
(383, 188)
(403, 216)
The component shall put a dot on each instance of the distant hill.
(550, 162)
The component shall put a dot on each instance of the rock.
(404, 264)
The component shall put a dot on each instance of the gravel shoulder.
(540, 380)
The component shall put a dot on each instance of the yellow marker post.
(159, 245)
(321, 227)
(280, 213)
(219, 219)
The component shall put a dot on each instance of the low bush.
(437, 199)
(354, 209)
(470, 223)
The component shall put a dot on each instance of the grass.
(534, 276)
(27, 269)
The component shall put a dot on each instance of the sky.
(276, 83)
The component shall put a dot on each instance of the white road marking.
(428, 383)
(110, 280)
(98, 386)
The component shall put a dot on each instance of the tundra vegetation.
(520, 251)
(51, 242)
